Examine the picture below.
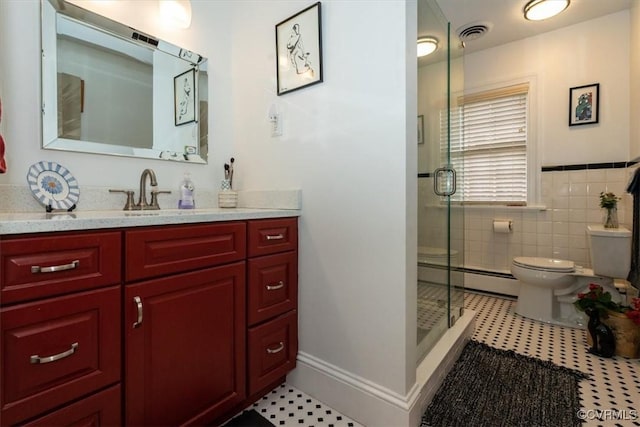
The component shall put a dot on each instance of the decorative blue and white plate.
(53, 185)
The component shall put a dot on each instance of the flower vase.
(626, 333)
(611, 218)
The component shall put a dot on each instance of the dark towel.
(634, 272)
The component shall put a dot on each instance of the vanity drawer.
(273, 347)
(100, 409)
(37, 267)
(269, 236)
(158, 251)
(57, 350)
(273, 286)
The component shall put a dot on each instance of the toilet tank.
(610, 250)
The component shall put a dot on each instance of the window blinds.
(489, 146)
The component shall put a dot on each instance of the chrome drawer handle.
(275, 236)
(54, 268)
(277, 349)
(35, 359)
(280, 285)
(138, 302)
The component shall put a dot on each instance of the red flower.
(594, 286)
(634, 315)
(581, 295)
(635, 303)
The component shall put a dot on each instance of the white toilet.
(548, 287)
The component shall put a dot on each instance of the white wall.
(596, 51)
(344, 144)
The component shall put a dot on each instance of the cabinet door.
(158, 251)
(57, 350)
(273, 347)
(185, 349)
(269, 236)
(100, 409)
(272, 286)
(38, 267)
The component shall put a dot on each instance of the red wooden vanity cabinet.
(203, 316)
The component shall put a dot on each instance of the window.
(489, 146)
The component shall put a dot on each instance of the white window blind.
(489, 146)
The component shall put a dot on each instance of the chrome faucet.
(142, 204)
(142, 197)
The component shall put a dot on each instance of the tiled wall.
(571, 202)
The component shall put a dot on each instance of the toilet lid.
(546, 264)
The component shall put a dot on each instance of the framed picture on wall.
(184, 97)
(421, 129)
(299, 50)
(583, 104)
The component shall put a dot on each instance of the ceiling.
(505, 19)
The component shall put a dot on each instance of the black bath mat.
(491, 387)
(249, 419)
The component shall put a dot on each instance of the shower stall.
(440, 293)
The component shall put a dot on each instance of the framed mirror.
(110, 89)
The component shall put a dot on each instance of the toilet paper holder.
(502, 226)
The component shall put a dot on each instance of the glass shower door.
(440, 222)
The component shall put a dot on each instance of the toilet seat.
(545, 264)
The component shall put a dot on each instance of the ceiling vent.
(473, 31)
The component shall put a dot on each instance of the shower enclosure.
(440, 296)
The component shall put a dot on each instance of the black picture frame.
(184, 97)
(584, 104)
(299, 50)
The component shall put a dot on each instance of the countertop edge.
(27, 223)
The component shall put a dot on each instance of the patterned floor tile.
(610, 397)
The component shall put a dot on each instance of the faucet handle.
(154, 198)
(129, 205)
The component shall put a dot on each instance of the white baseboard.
(371, 404)
(500, 285)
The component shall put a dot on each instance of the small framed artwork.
(420, 129)
(299, 50)
(583, 104)
(184, 97)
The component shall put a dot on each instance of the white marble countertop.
(21, 223)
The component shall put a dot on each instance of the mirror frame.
(50, 9)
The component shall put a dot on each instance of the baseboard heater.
(495, 282)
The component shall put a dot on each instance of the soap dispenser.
(187, 190)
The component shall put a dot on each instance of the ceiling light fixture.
(176, 12)
(537, 10)
(427, 45)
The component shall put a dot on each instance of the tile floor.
(611, 393)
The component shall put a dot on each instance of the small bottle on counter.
(187, 193)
